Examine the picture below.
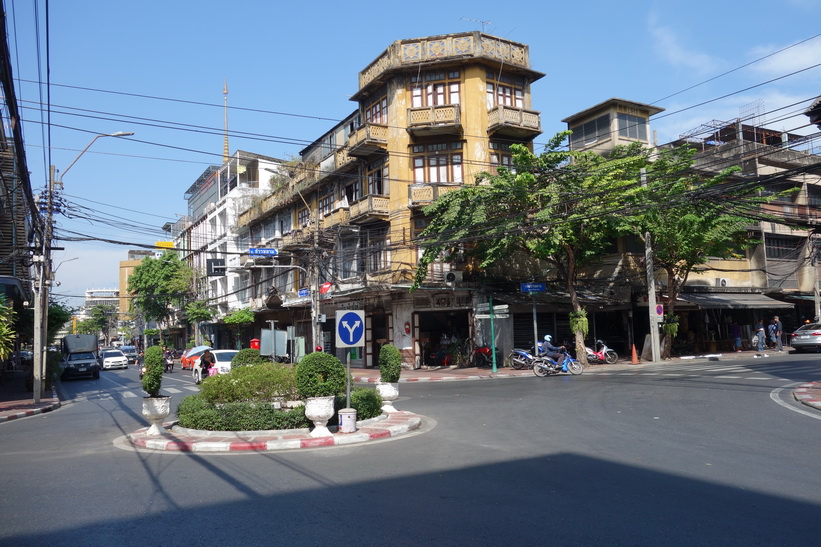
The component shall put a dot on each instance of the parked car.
(131, 353)
(190, 358)
(222, 363)
(112, 358)
(807, 338)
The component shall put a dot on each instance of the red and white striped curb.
(809, 394)
(7, 416)
(388, 425)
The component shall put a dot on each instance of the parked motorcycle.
(483, 358)
(545, 366)
(602, 354)
(521, 358)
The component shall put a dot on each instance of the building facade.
(431, 114)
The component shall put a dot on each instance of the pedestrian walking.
(760, 335)
(778, 327)
(771, 334)
(735, 334)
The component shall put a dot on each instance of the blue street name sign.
(304, 293)
(262, 252)
(534, 287)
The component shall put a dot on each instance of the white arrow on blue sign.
(350, 328)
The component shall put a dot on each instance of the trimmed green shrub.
(365, 400)
(320, 374)
(390, 363)
(247, 356)
(196, 413)
(263, 382)
(152, 379)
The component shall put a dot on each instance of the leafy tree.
(690, 218)
(87, 326)
(555, 207)
(240, 317)
(58, 316)
(159, 286)
(101, 316)
(7, 332)
(199, 312)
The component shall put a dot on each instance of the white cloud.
(789, 60)
(670, 47)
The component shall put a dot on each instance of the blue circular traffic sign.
(350, 329)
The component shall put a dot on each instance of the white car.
(113, 358)
(222, 362)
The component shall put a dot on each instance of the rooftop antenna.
(225, 151)
(477, 21)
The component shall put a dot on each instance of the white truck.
(79, 356)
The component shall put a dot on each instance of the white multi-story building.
(207, 235)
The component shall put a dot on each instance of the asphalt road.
(709, 453)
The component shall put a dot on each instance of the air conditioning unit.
(453, 276)
(722, 282)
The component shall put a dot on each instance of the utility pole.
(41, 292)
(46, 274)
(651, 288)
(316, 332)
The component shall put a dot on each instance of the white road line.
(726, 377)
(172, 390)
(775, 395)
(129, 395)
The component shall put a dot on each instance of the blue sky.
(142, 66)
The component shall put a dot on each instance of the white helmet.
(547, 338)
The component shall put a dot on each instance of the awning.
(733, 301)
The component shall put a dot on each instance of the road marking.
(172, 390)
(726, 377)
(129, 395)
(775, 395)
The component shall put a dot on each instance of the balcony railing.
(370, 206)
(425, 194)
(368, 139)
(344, 158)
(512, 121)
(435, 120)
(337, 217)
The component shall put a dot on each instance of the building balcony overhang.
(370, 208)
(420, 195)
(368, 139)
(514, 122)
(435, 120)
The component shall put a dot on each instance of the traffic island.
(180, 439)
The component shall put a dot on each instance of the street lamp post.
(44, 279)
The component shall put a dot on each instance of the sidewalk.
(18, 402)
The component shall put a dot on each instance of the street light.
(46, 272)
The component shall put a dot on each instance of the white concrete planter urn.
(389, 391)
(156, 410)
(319, 410)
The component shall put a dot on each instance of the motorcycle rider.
(554, 352)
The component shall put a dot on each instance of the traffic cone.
(634, 359)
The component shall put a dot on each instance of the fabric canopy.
(733, 301)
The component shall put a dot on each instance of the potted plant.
(390, 366)
(156, 407)
(319, 378)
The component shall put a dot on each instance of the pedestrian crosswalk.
(777, 371)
